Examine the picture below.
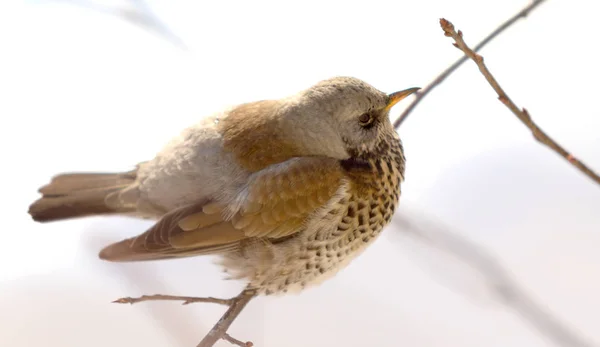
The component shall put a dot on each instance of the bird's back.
(192, 168)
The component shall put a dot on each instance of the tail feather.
(69, 183)
(74, 195)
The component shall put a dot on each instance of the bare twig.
(219, 330)
(522, 114)
(441, 77)
(186, 299)
(235, 341)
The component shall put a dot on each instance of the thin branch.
(235, 341)
(219, 330)
(441, 77)
(522, 114)
(186, 299)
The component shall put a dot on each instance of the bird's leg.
(219, 331)
(186, 299)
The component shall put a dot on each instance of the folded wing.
(275, 203)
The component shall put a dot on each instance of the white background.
(102, 85)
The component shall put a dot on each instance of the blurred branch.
(441, 77)
(219, 330)
(139, 14)
(501, 284)
(522, 114)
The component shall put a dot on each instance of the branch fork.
(219, 331)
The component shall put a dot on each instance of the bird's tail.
(73, 195)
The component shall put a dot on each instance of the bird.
(286, 192)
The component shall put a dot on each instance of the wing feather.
(275, 203)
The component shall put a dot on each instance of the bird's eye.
(365, 119)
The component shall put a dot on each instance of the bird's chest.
(361, 215)
(351, 224)
(339, 233)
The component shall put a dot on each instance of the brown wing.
(275, 203)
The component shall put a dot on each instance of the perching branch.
(522, 114)
(441, 77)
(219, 330)
(186, 299)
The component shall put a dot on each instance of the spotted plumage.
(287, 192)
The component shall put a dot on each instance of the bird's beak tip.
(396, 97)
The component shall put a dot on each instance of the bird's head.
(344, 117)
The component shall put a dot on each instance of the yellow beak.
(394, 98)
